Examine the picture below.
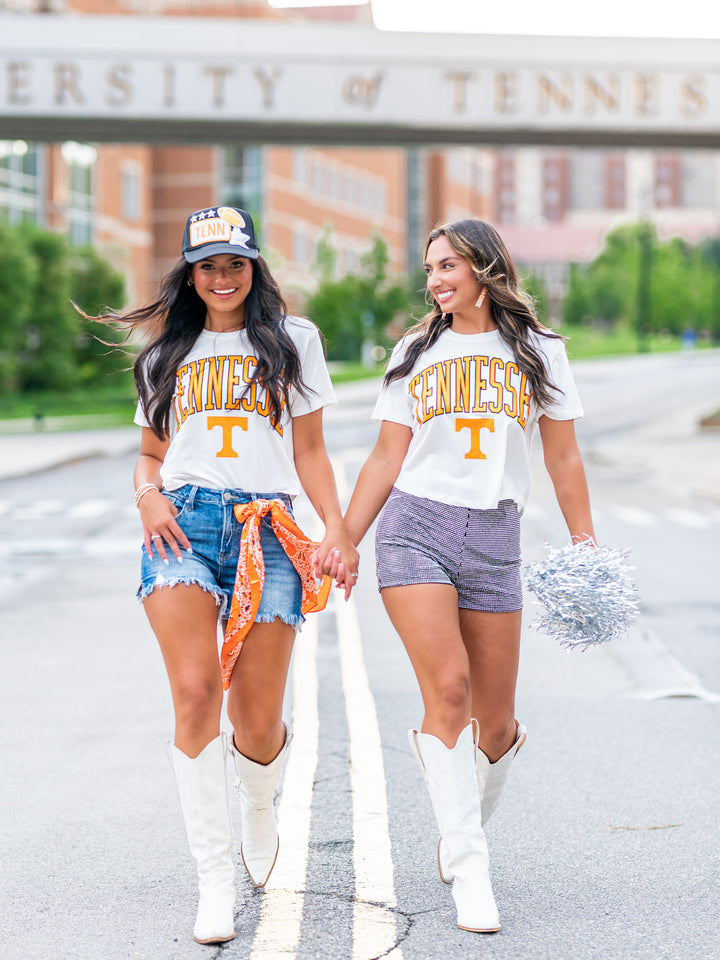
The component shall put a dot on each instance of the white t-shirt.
(221, 435)
(472, 417)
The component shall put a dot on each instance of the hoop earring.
(189, 282)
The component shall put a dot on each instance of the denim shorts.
(207, 520)
(476, 551)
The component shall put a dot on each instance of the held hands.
(338, 558)
(160, 529)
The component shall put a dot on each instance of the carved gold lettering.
(646, 95)
(218, 75)
(506, 93)
(550, 93)
(18, 82)
(168, 85)
(267, 83)
(607, 96)
(458, 86)
(121, 88)
(362, 90)
(67, 76)
(693, 101)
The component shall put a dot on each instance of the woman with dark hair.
(231, 391)
(462, 396)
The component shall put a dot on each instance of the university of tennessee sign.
(125, 78)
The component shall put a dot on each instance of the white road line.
(278, 931)
(657, 673)
(374, 925)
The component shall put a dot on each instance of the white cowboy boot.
(256, 785)
(202, 785)
(491, 780)
(451, 779)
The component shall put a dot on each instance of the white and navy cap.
(219, 230)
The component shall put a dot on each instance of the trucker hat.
(219, 230)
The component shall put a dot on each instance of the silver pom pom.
(588, 593)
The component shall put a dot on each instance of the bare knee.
(447, 706)
(197, 703)
(259, 739)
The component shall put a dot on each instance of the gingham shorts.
(476, 551)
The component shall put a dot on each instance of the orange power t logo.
(475, 425)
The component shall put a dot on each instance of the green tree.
(47, 360)
(647, 283)
(357, 307)
(710, 253)
(96, 287)
(18, 280)
(535, 286)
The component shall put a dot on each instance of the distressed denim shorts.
(207, 520)
(476, 551)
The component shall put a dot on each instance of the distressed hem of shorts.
(145, 591)
(293, 620)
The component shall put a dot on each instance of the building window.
(505, 194)
(242, 180)
(615, 181)
(299, 161)
(300, 247)
(80, 164)
(20, 192)
(131, 192)
(587, 180)
(668, 179)
(699, 180)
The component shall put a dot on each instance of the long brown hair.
(173, 323)
(511, 307)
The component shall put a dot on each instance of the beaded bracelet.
(142, 490)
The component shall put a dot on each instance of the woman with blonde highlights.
(449, 475)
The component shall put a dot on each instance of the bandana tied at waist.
(250, 577)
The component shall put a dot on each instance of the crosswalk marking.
(688, 518)
(634, 516)
(37, 509)
(89, 509)
(98, 508)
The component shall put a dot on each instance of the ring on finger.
(156, 537)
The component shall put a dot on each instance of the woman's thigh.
(427, 619)
(184, 620)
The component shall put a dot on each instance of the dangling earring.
(481, 299)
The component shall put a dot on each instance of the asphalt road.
(605, 844)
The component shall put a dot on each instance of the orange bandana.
(250, 577)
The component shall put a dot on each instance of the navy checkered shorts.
(476, 551)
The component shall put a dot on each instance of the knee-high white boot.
(491, 780)
(451, 779)
(256, 784)
(202, 785)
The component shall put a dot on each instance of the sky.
(610, 18)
